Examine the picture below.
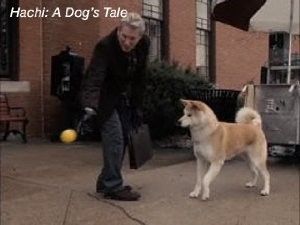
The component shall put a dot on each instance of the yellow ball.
(68, 136)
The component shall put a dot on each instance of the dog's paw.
(264, 192)
(194, 194)
(205, 197)
(250, 184)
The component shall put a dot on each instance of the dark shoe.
(123, 195)
(126, 187)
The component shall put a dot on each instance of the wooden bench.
(9, 115)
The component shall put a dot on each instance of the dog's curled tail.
(248, 115)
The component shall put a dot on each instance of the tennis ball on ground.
(68, 136)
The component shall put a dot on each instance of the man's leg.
(110, 181)
(110, 178)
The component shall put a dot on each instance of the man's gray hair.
(134, 20)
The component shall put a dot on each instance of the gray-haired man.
(116, 70)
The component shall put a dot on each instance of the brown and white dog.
(214, 142)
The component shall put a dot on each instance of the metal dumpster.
(280, 110)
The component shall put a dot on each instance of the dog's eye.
(189, 115)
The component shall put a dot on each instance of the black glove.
(89, 112)
(84, 126)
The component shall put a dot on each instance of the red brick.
(239, 56)
(182, 32)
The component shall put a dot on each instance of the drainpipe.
(290, 42)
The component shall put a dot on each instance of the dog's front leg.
(200, 171)
(212, 172)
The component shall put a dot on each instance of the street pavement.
(45, 183)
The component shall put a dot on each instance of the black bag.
(139, 146)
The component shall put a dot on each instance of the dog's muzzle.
(178, 123)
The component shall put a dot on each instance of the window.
(153, 15)
(203, 33)
(278, 60)
(8, 41)
(278, 48)
(202, 53)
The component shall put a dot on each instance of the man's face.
(128, 37)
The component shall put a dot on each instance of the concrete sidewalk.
(44, 183)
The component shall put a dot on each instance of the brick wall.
(239, 56)
(182, 32)
(30, 67)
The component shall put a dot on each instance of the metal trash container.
(280, 112)
(223, 102)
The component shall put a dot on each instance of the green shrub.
(166, 84)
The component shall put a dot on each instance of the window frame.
(202, 36)
(206, 26)
(155, 15)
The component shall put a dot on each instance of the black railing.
(222, 102)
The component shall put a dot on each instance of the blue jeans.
(114, 141)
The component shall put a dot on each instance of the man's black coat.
(112, 72)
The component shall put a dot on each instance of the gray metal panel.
(280, 113)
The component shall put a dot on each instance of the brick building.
(181, 31)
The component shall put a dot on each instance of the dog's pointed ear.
(197, 105)
(184, 102)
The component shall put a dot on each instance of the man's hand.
(90, 111)
(82, 126)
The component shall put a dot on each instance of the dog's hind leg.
(260, 164)
(254, 172)
(262, 167)
(212, 172)
(200, 171)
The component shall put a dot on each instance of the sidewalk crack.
(68, 207)
(127, 214)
